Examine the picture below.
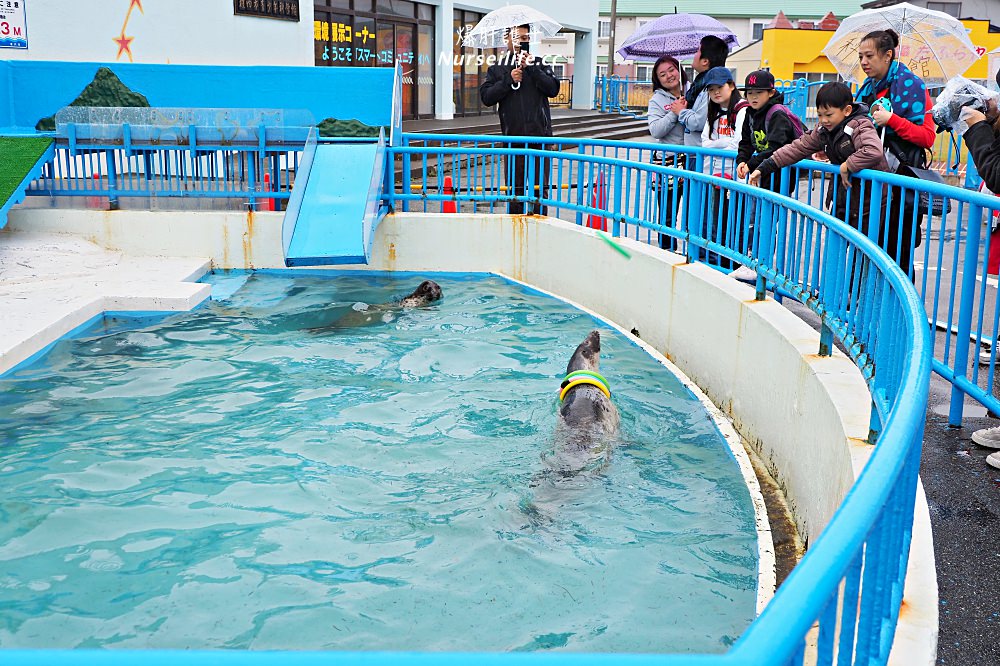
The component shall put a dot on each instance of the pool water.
(251, 475)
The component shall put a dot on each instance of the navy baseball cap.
(759, 80)
(718, 76)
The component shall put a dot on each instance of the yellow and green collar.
(579, 377)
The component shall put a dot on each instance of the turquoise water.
(229, 478)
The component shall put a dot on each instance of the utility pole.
(611, 39)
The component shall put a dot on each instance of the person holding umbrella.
(520, 87)
(901, 109)
(669, 81)
(692, 109)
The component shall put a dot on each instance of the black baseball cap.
(759, 80)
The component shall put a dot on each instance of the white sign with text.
(13, 26)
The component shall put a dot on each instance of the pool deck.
(50, 284)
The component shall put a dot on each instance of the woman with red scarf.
(901, 109)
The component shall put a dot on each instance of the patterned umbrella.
(491, 31)
(677, 35)
(934, 45)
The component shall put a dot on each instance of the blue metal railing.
(258, 165)
(949, 155)
(861, 298)
(613, 94)
(950, 262)
(851, 580)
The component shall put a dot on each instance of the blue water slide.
(334, 206)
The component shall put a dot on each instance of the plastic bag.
(958, 93)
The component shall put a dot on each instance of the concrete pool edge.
(54, 284)
(671, 296)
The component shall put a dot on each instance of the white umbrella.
(491, 32)
(934, 45)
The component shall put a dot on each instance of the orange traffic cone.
(448, 189)
(599, 200)
(266, 204)
(95, 202)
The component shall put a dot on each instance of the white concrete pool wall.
(806, 415)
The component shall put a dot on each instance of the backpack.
(797, 128)
(735, 111)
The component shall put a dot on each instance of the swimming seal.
(588, 419)
(363, 314)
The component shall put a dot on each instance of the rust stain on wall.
(225, 247)
(519, 246)
(248, 242)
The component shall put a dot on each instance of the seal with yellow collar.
(588, 419)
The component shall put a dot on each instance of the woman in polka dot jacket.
(901, 109)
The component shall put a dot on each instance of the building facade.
(747, 20)
(440, 77)
(982, 10)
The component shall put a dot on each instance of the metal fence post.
(616, 225)
(764, 245)
(112, 179)
(974, 221)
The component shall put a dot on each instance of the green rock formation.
(348, 128)
(105, 90)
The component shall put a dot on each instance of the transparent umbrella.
(491, 32)
(934, 45)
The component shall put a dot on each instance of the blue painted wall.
(38, 89)
(6, 95)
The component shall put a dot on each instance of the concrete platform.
(51, 284)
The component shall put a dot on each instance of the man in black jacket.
(520, 86)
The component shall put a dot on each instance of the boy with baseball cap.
(768, 125)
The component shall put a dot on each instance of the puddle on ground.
(968, 411)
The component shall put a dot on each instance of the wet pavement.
(963, 494)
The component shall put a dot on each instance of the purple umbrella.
(677, 35)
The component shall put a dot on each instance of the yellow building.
(798, 53)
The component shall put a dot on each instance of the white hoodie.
(720, 135)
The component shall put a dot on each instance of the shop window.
(403, 8)
(950, 8)
(425, 70)
(341, 40)
(365, 47)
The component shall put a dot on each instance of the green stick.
(618, 248)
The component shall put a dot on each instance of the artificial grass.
(18, 155)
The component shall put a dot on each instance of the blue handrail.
(861, 296)
(946, 271)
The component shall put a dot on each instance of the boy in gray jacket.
(849, 138)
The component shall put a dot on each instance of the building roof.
(759, 8)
